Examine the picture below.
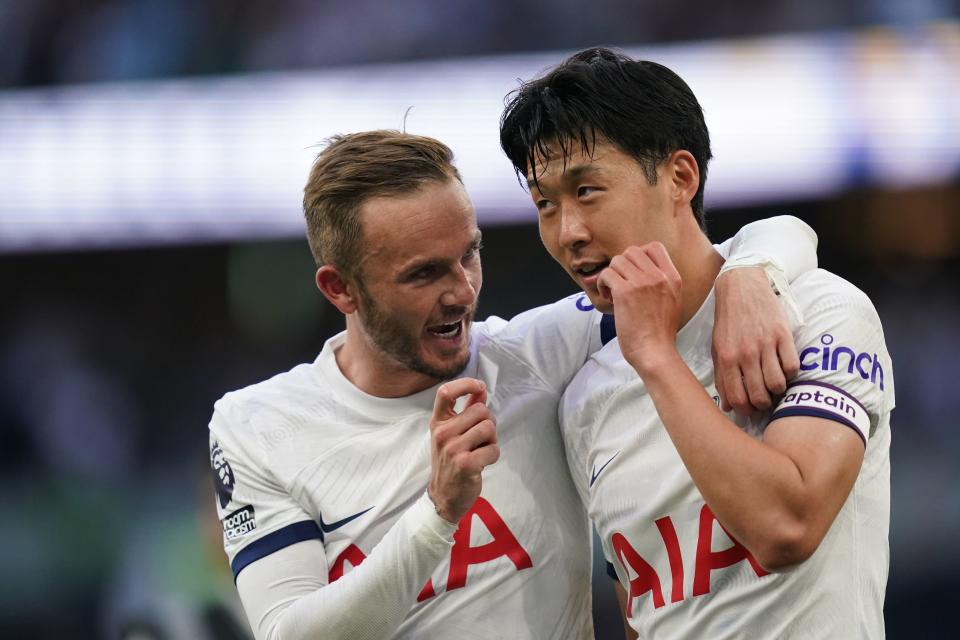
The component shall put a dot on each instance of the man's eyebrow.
(421, 263)
(571, 174)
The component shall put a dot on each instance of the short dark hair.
(356, 167)
(642, 107)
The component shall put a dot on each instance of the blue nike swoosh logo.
(596, 474)
(333, 526)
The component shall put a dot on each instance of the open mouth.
(590, 270)
(449, 331)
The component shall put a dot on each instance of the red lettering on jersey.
(462, 555)
(355, 556)
(708, 559)
(646, 580)
(504, 543)
(669, 535)
(351, 554)
(427, 591)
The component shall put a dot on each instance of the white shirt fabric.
(321, 488)
(307, 451)
(696, 581)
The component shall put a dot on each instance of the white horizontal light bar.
(226, 158)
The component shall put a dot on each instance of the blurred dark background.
(111, 358)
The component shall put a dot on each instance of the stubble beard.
(397, 343)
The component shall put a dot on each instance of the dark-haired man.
(350, 488)
(701, 512)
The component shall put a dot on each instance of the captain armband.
(821, 400)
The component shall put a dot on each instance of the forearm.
(785, 243)
(368, 602)
(756, 491)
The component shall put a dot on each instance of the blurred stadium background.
(152, 154)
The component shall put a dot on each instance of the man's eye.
(543, 204)
(423, 273)
(582, 192)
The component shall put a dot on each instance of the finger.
(718, 382)
(633, 261)
(485, 455)
(753, 380)
(607, 282)
(464, 421)
(773, 376)
(736, 394)
(449, 393)
(658, 255)
(479, 435)
(477, 398)
(787, 352)
(722, 394)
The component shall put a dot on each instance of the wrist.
(428, 515)
(653, 360)
(442, 509)
(733, 274)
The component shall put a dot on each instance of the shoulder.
(550, 342)
(841, 347)
(820, 290)
(266, 405)
(574, 311)
(834, 310)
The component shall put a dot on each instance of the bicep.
(827, 454)
(271, 584)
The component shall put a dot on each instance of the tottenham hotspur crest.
(222, 475)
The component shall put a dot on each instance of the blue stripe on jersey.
(817, 413)
(273, 542)
(608, 329)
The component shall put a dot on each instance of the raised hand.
(646, 291)
(753, 350)
(461, 444)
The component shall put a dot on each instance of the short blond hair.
(356, 167)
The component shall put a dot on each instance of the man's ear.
(684, 176)
(337, 289)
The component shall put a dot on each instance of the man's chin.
(442, 368)
(451, 362)
(443, 364)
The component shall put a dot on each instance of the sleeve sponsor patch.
(822, 400)
(239, 523)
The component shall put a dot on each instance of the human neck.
(375, 373)
(698, 264)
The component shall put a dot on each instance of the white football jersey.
(307, 455)
(690, 579)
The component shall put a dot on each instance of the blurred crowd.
(53, 42)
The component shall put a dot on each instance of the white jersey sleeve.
(277, 556)
(782, 243)
(553, 340)
(845, 371)
(258, 514)
(286, 595)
